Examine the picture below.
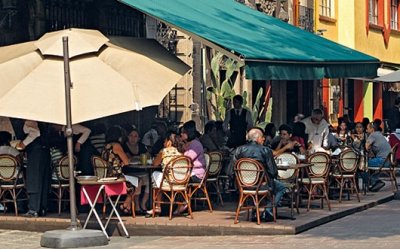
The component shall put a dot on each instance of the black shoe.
(31, 214)
(42, 212)
(254, 216)
(268, 217)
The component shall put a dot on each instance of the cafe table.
(92, 193)
(296, 178)
(139, 168)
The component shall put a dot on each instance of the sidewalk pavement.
(217, 223)
(376, 227)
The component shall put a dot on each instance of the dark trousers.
(38, 177)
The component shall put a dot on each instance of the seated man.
(287, 143)
(209, 137)
(380, 148)
(254, 149)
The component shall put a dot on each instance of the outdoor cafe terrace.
(204, 223)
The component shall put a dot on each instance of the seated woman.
(5, 147)
(117, 159)
(133, 149)
(343, 135)
(169, 152)
(194, 150)
(359, 137)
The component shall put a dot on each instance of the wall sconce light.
(320, 32)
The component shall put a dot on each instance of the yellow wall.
(346, 22)
(348, 27)
(330, 26)
(373, 42)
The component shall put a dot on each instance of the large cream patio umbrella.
(75, 75)
(106, 79)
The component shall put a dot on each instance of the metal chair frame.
(174, 182)
(61, 186)
(213, 177)
(318, 174)
(12, 183)
(391, 170)
(289, 178)
(347, 166)
(250, 177)
(195, 188)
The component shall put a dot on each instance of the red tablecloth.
(110, 189)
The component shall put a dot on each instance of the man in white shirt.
(83, 148)
(38, 167)
(317, 130)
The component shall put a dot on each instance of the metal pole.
(203, 102)
(68, 131)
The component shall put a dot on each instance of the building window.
(394, 15)
(326, 8)
(373, 11)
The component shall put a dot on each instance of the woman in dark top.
(133, 147)
(117, 159)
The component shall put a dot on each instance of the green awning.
(271, 49)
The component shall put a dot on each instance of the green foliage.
(221, 93)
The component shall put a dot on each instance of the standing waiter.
(239, 121)
(38, 167)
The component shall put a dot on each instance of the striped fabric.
(98, 141)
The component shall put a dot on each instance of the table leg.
(113, 204)
(93, 209)
(150, 204)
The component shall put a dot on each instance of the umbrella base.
(73, 239)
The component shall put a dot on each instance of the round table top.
(106, 180)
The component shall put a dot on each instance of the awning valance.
(270, 48)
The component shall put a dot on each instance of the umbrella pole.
(69, 133)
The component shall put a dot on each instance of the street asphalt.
(376, 227)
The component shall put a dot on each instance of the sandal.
(125, 210)
(180, 210)
(156, 212)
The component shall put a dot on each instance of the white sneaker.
(1, 207)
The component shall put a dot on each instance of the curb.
(43, 225)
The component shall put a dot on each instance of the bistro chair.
(388, 167)
(213, 178)
(174, 182)
(99, 166)
(11, 182)
(346, 174)
(289, 179)
(60, 185)
(253, 184)
(317, 181)
(195, 188)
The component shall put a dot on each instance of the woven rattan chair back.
(249, 173)
(178, 170)
(62, 169)
(392, 155)
(290, 159)
(215, 163)
(8, 168)
(99, 166)
(348, 161)
(320, 167)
